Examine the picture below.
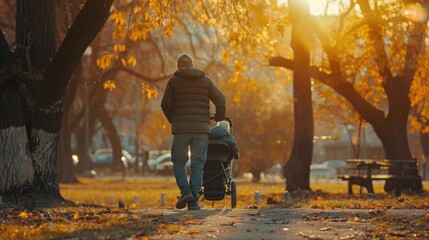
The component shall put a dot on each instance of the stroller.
(217, 178)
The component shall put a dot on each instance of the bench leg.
(362, 182)
(398, 191)
(368, 186)
(355, 181)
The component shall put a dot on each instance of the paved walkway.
(282, 223)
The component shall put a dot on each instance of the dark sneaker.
(193, 206)
(184, 199)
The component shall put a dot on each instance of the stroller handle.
(226, 118)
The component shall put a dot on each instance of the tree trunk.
(35, 32)
(66, 167)
(297, 168)
(424, 139)
(16, 166)
(67, 171)
(99, 113)
(113, 136)
(32, 88)
(256, 176)
(44, 149)
(84, 141)
(392, 127)
(393, 136)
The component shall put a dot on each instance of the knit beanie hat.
(224, 125)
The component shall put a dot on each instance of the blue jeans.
(197, 143)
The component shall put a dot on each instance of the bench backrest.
(401, 167)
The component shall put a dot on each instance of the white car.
(103, 158)
(322, 171)
(153, 164)
(337, 164)
(163, 164)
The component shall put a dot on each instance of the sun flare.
(321, 7)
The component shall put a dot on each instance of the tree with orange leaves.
(373, 59)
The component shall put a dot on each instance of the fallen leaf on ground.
(23, 215)
(187, 216)
(194, 231)
(312, 237)
(192, 222)
(228, 224)
(325, 229)
(170, 228)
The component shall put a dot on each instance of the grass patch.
(145, 193)
(99, 217)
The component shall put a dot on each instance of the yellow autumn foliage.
(105, 60)
(132, 60)
(118, 18)
(256, 29)
(109, 85)
(149, 91)
(119, 47)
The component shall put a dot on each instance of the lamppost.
(137, 154)
(86, 167)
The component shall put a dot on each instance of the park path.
(275, 223)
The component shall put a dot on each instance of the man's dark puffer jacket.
(186, 101)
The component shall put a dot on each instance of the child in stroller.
(223, 132)
(222, 148)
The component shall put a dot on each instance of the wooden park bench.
(398, 174)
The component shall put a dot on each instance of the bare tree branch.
(157, 49)
(84, 29)
(416, 43)
(341, 86)
(150, 80)
(377, 38)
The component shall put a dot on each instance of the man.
(186, 104)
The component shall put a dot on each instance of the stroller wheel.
(233, 194)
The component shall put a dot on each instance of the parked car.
(163, 164)
(131, 160)
(103, 158)
(154, 163)
(276, 169)
(338, 165)
(156, 153)
(318, 171)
